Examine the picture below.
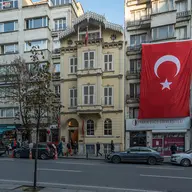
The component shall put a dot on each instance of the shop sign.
(150, 124)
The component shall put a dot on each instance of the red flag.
(165, 80)
(86, 37)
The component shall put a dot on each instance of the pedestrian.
(98, 149)
(69, 150)
(173, 149)
(75, 146)
(112, 146)
(60, 148)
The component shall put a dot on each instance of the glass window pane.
(9, 26)
(91, 89)
(110, 58)
(86, 90)
(105, 91)
(37, 22)
(86, 56)
(106, 58)
(110, 91)
(9, 112)
(91, 55)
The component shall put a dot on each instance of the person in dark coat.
(112, 146)
(98, 149)
(173, 149)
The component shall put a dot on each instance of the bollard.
(87, 156)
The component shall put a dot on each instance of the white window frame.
(41, 42)
(108, 129)
(156, 6)
(31, 22)
(89, 60)
(179, 29)
(157, 29)
(108, 97)
(15, 48)
(60, 2)
(73, 67)
(2, 26)
(136, 90)
(13, 7)
(133, 112)
(136, 64)
(88, 95)
(73, 99)
(92, 130)
(179, 4)
(55, 68)
(140, 39)
(3, 112)
(57, 23)
(108, 63)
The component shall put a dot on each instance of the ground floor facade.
(89, 129)
(159, 134)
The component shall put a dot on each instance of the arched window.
(108, 127)
(90, 127)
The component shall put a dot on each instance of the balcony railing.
(59, 29)
(56, 51)
(132, 98)
(134, 72)
(183, 14)
(138, 22)
(56, 76)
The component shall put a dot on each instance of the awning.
(6, 128)
(170, 131)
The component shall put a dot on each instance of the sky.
(112, 9)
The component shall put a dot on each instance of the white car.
(184, 159)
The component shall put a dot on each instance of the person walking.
(75, 146)
(112, 146)
(60, 149)
(173, 149)
(98, 149)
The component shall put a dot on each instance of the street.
(98, 175)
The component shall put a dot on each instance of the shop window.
(138, 138)
(90, 149)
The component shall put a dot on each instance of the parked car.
(136, 154)
(184, 159)
(44, 152)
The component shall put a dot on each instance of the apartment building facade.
(152, 22)
(21, 22)
(92, 84)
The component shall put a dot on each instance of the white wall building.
(22, 21)
(152, 21)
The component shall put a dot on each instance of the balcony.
(133, 98)
(56, 76)
(134, 50)
(89, 109)
(89, 72)
(143, 23)
(133, 74)
(56, 53)
(56, 31)
(137, 2)
(183, 16)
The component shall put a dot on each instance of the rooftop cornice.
(95, 16)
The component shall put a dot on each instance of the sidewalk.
(93, 157)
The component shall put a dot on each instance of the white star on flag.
(166, 84)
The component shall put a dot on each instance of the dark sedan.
(136, 154)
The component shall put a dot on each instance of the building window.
(89, 60)
(181, 6)
(108, 62)
(139, 14)
(9, 48)
(8, 112)
(60, 2)
(90, 149)
(135, 66)
(163, 32)
(73, 65)
(162, 6)
(73, 97)
(134, 90)
(57, 90)
(60, 24)
(90, 127)
(108, 95)
(56, 68)
(91, 35)
(56, 44)
(108, 127)
(136, 40)
(181, 33)
(40, 44)
(37, 22)
(8, 4)
(107, 148)
(89, 95)
(133, 112)
(9, 26)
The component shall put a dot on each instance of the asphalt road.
(98, 175)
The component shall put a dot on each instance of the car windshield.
(189, 151)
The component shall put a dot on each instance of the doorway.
(73, 133)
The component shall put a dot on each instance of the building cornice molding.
(91, 15)
(107, 45)
(119, 76)
(68, 49)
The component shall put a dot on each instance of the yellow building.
(92, 83)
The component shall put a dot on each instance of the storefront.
(159, 134)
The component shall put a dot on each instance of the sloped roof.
(94, 16)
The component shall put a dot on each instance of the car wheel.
(17, 155)
(152, 161)
(185, 163)
(116, 159)
(43, 156)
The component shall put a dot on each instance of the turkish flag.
(165, 80)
